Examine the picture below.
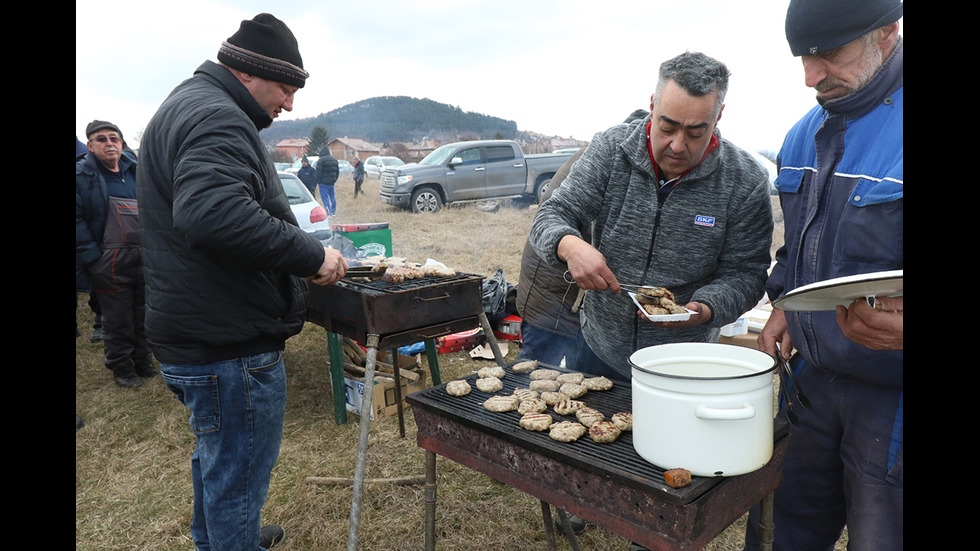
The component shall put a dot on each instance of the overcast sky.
(568, 68)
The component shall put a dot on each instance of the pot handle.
(747, 411)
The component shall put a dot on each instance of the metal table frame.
(374, 343)
(653, 521)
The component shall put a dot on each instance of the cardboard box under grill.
(414, 377)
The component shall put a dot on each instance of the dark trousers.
(117, 278)
(584, 360)
(843, 467)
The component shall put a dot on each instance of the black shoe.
(144, 368)
(577, 524)
(97, 335)
(271, 536)
(78, 423)
(129, 380)
(637, 547)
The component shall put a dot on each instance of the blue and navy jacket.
(840, 183)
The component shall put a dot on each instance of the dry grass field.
(132, 457)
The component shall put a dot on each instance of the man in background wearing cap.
(840, 183)
(107, 247)
(224, 260)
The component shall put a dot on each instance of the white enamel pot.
(704, 407)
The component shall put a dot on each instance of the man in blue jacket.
(307, 175)
(840, 184)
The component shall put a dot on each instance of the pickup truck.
(469, 171)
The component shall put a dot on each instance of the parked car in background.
(566, 150)
(376, 164)
(469, 171)
(344, 167)
(312, 217)
(282, 166)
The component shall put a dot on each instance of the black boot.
(125, 376)
(144, 367)
(271, 536)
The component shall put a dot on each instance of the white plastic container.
(704, 407)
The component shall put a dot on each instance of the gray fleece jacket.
(709, 241)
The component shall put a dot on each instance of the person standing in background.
(107, 246)
(358, 177)
(307, 175)
(327, 172)
(546, 301)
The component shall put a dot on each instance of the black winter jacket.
(327, 168)
(91, 209)
(221, 247)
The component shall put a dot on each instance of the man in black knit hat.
(224, 261)
(840, 187)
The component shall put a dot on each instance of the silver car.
(376, 164)
(344, 167)
(312, 217)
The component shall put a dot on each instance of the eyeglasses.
(104, 139)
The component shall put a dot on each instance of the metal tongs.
(789, 384)
(356, 269)
(567, 276)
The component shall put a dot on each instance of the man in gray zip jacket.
(674, 205)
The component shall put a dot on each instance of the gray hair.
(697, 74)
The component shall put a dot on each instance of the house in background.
(352, 148)
(295, 148)
(419, 150)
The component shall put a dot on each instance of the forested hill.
(396, 118)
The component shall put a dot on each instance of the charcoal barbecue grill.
(398, 314)
(384, 315)
(609, 484)
(357, 309)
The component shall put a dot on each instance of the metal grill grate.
(382, 286)
(618, 459)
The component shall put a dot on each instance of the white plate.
(665, 317)
(826, 295)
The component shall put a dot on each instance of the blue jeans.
(545, 346)
(329, 201)
(584, 360)
(237, 409)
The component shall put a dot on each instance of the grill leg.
(488, 331)
(432, 354)
(398, 392)
(549, 529)
(336, 368)
(567, 529)
(365, 426)
(767, 528)
(430, 501)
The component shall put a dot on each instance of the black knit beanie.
(265, 47)
(816, 26)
